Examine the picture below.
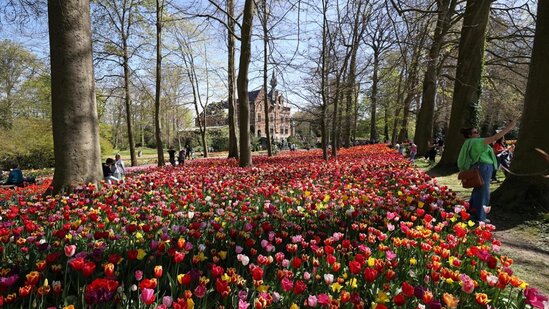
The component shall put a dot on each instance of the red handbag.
(471, 178)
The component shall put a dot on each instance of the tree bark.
(323, 82)
(242, 84)
(529, 192)
(424, 123)
(373, 99)
(158, 129)
(74, 108)
(266, 104)
(467, 86)
(127, 101)
(233, 142)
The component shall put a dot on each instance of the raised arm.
(495, 137)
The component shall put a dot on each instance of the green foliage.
(105, 139)
(219, 138)
(25, 147)
(18, 66)
(33, 151)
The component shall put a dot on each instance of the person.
(431, 152)
(413, 151)
(188, 151)
(476, 152)
(119, 170)
(499, 148)
(108, 171)
(171, 153)
(15, 177)
(181, 157)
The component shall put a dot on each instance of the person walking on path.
(477, 152)
(119, 169)
(171, 153)
(413, 151)
(181, 157)
(188, 152)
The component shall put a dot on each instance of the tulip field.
(365, 230)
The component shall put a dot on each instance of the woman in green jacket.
(477, 152)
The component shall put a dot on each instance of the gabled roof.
(252, 95)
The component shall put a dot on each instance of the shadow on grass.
(503, 219)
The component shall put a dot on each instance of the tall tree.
(412, 56)
(424, 123)
(242, 84)
(264, 18)
(120, 16)
(324, 80)
(351, 89)
(157, 127)
(379, 38)
(467, 86)
(233, 141)
(74, 110)
(528, 189)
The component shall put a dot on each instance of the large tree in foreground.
(528, 189)
(467, 85)
(242, 85)
(74, 111)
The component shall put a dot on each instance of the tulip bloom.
(147, 296)
(482, 299)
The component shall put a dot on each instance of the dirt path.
(527, 243)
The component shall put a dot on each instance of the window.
(259, 117)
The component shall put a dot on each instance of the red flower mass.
(366, 229)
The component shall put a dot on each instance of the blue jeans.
(481, 195)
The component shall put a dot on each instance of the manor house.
(280, 124)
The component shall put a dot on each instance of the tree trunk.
(467, 86)
(375, 80)
(158, 129)
(233, 142)
(127, 102)
(336, 111)
(411, 82)
(424, 123)
(74, 109)
(265, 76)
(323, 82)
(530, 194)
(355, 114)
(242, 84)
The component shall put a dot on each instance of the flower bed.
(365, 230)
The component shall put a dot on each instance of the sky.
(34, 36)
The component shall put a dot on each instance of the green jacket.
(474, 151)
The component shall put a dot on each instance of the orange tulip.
(450, 300)
(482, 299)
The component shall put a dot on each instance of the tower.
(273, 88)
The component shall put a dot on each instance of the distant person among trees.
(413, 151)
(431, 153)
(476, 152)
(171, 153)
(188, 151)
(15, 177)
(119, 170)
(108, 168)
(181, 157)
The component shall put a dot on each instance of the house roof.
(252, 95)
